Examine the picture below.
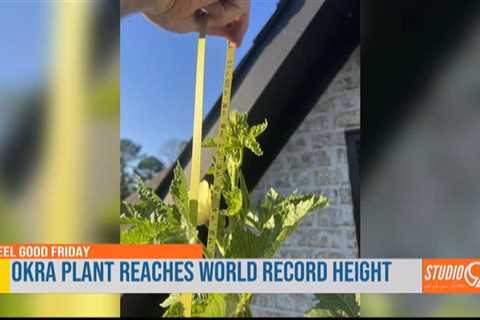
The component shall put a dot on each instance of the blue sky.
(24, 30)
(157, 77)
(157, 67)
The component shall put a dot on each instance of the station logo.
(451, 276)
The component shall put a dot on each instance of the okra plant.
(246, 230)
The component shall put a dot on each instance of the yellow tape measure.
(186, 298)
(220, 154)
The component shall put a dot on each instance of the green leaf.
(255, 131)
(210, 171)
(150, 220)
(175, 307)
(335, 305)
(251, 232)
(149, 201)
(246, 244)
(179, 191)
(276, 219)
(209, 143)
(237, 119)
(254, 146)
(244, 191)
(141, 230)
(172, 299)
(233, 198)
(220, 305)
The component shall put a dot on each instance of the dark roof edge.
(240, 71)
(317, 56)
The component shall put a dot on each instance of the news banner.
(112, 268)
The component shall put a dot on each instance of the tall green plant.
(247, 230)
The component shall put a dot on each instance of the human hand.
(226, 18)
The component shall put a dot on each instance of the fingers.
(224, 12)
(239, 29)
(229, 18)
(234, 31)
(236, 8)
(226, 18)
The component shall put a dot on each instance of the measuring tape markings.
(219, 158)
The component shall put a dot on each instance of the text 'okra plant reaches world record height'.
(246, 230)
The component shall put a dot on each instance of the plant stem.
(244, 304)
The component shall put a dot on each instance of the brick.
(351, 100)
(291, 253)
(347, 119)
(324, 106)
(310, 238)
(264, 300)
(293, 162)
(346, 82)
(277, 165)
(341, 156)
(297, 302)
(351, 238)
(318, 123)
(292, 241)
(327, 177)
(281, 181)
(283, 302)
(303, 179)
(345, 196)
(309, 220)
(347, 101)
(296, 144)
(335, 254)
(315, 160)
(328, 139)
(334, 217)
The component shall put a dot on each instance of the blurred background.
(420, 180)
(59, 135)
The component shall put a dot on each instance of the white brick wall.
(314, 160)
